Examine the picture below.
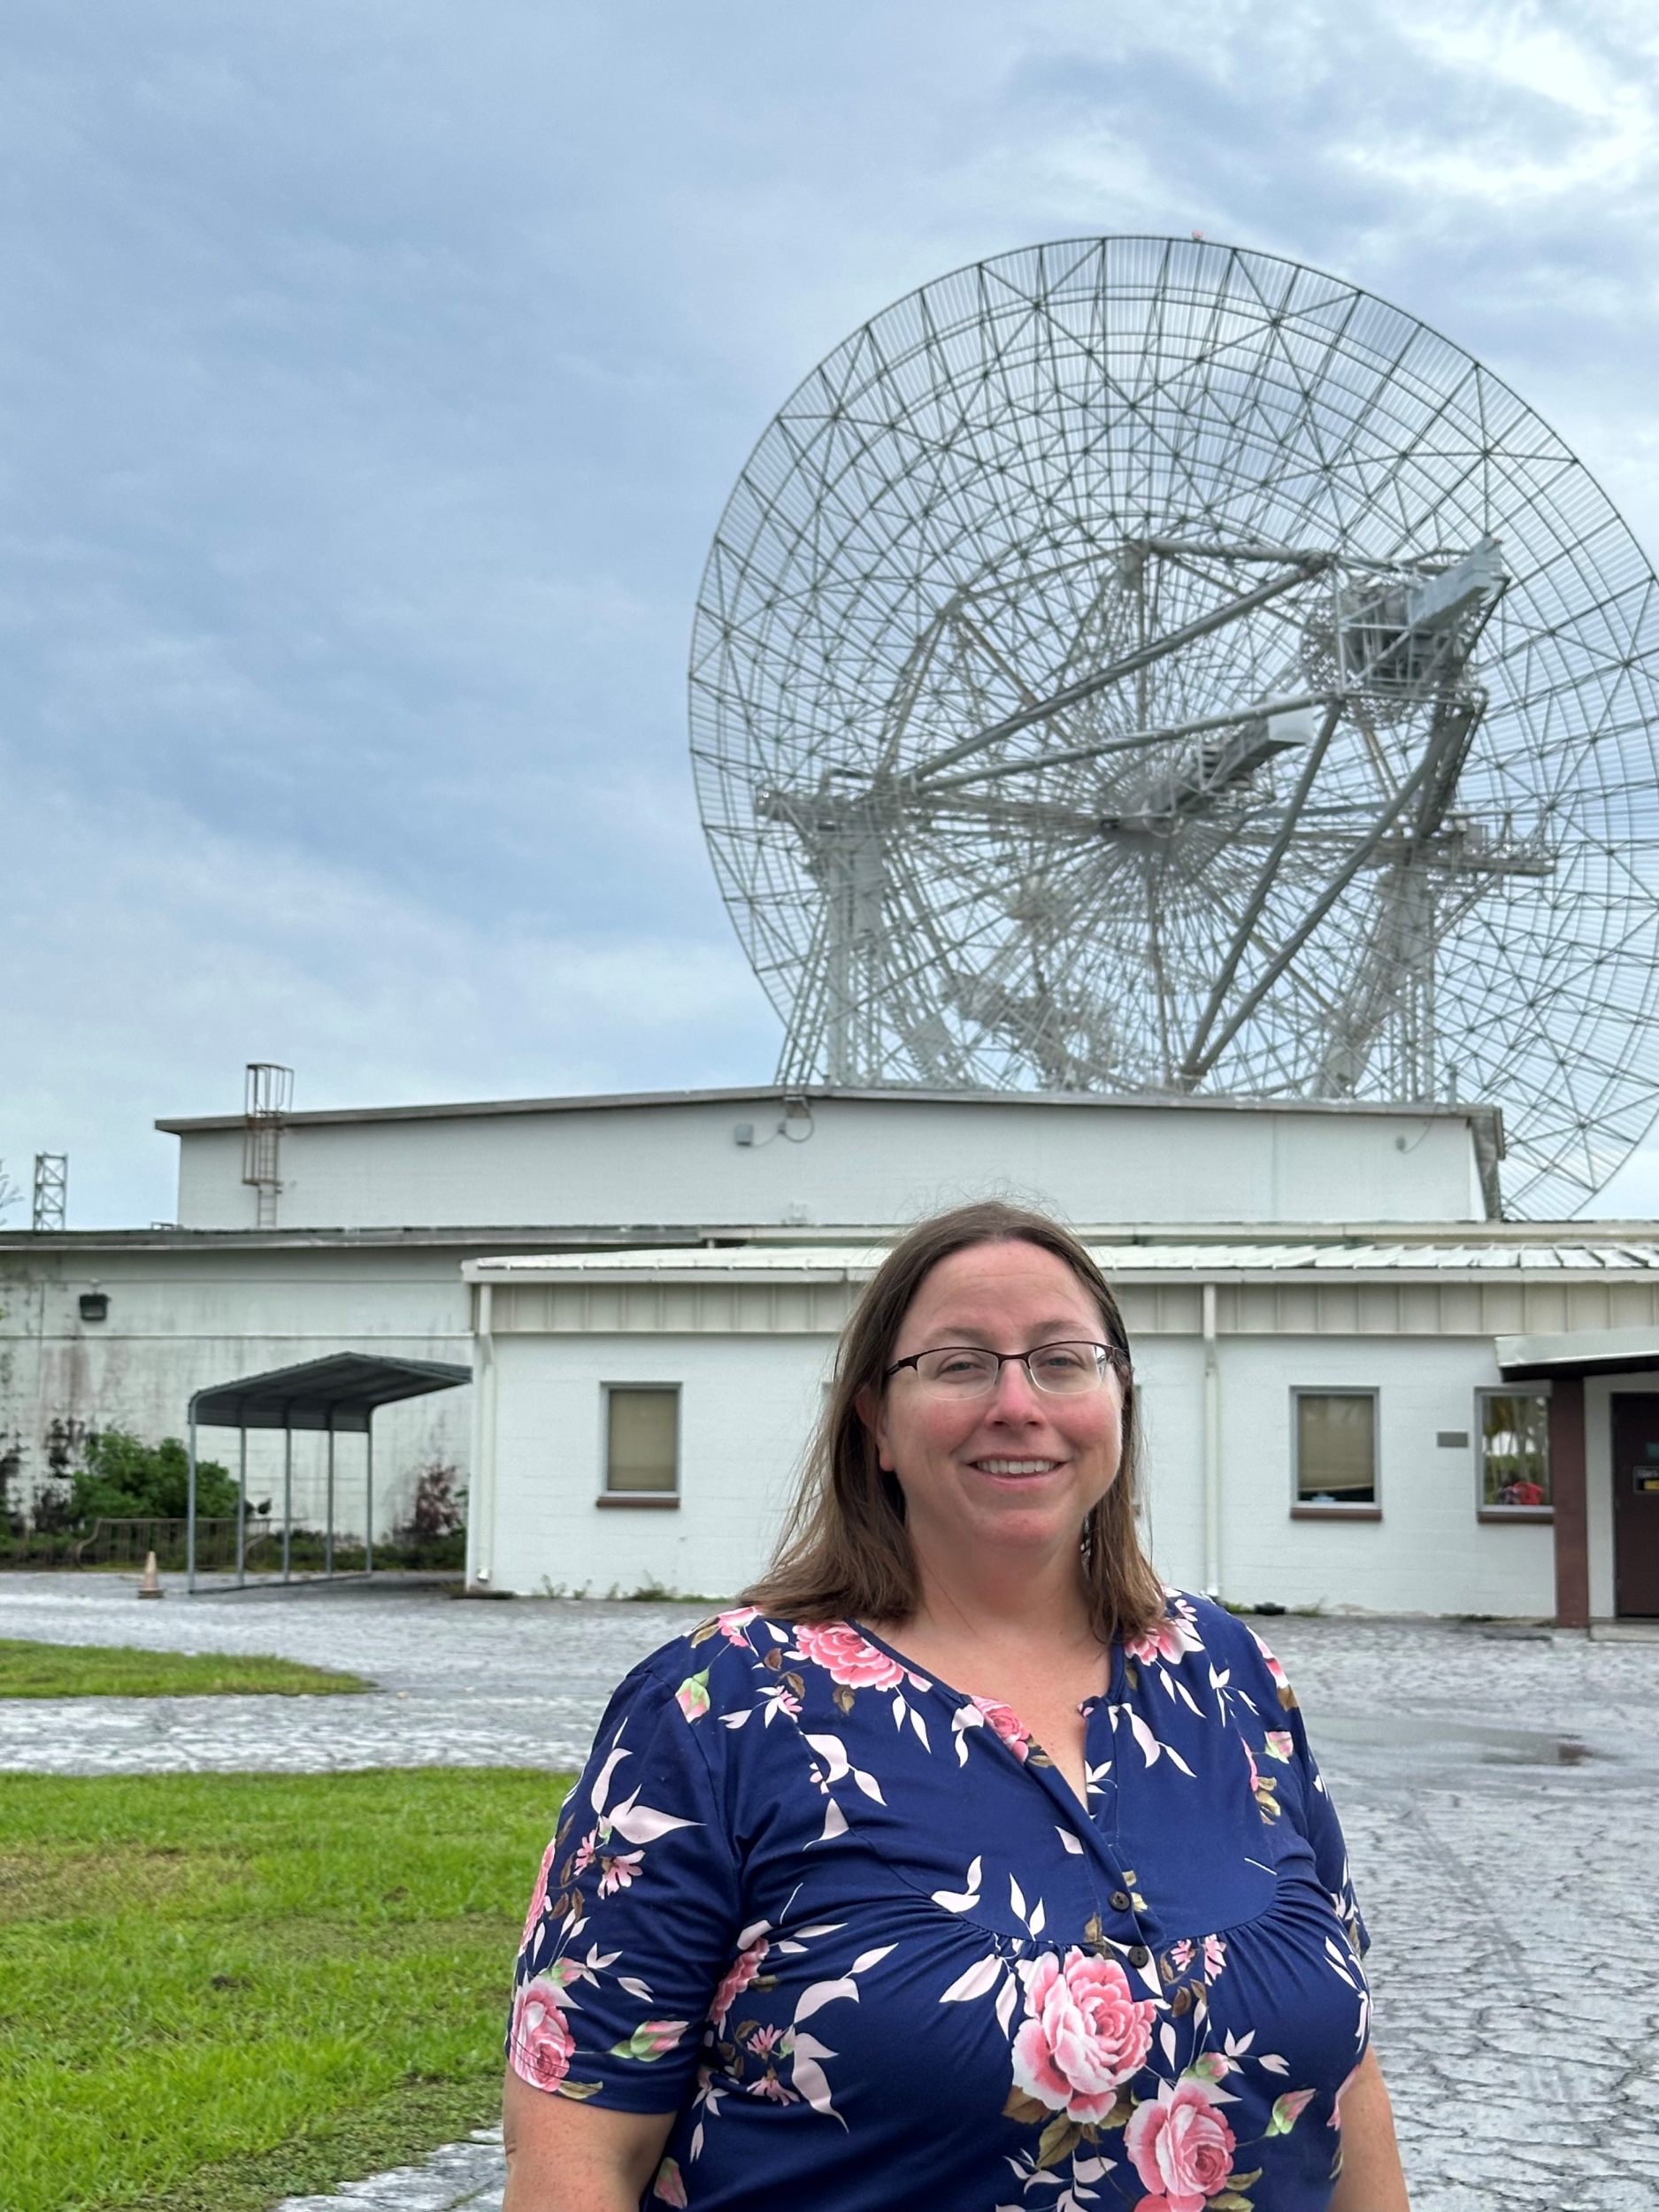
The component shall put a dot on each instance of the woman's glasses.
(968, 1371)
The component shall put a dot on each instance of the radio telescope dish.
(1142, 666)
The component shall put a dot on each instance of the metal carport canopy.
(340, 1392)
(338, 1396)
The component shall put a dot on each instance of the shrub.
(438, 1509)
(125, 1479)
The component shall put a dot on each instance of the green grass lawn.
(218, 1990)
(29, 1669)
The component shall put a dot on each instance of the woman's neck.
(1003, 1602)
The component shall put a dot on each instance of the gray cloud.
(370, 385)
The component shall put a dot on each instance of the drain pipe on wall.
(481, 1516)
(1212, 1451)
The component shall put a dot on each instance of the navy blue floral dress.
(853, 1929)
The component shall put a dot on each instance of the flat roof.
(1579, 1352)
(611, 1102)
(1120, 1262)
(340, 1392)
(651, 1240)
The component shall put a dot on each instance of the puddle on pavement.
(1488, 1746)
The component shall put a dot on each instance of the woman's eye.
(955, 1365)
(1061, 1359)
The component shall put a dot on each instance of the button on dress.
(853, 1929)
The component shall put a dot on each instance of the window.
(642, 1441)
(1514, 1463)
(1336, 1451)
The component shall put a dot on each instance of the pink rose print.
(540, 2044)
(1281, 1680)
(738, 1977)
(538, 1896)
(1288, 2109)
(730, 1626)
(692, 1696)
(584, 1851)
(1215, 1956)
(1007, 1724)
(1281, 1745)
(1169, 1640)
(1084, 2036)
(669, 2185)
(1181, 2146)
(849, 1658)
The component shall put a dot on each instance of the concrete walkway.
(461, 1682)
(462, 2177)
(1499, 1792)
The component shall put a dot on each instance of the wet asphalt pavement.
(1500, 1790)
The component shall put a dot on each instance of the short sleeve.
(1309, 1805)
(634, 1915)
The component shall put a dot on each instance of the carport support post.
(368, 1491)
(241, 1511)
(189, 1512)
(1568, 1490)
(328, 1533)
(288, 1496)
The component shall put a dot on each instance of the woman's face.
(1017, 1470)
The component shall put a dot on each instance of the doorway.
(1636, 1506)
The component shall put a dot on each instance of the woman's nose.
(1015, 1391)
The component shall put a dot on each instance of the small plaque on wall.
(1453, 1439)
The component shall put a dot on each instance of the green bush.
(127, 1479)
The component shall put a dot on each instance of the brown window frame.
(1313, 1508)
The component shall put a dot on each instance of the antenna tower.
(52, 1190)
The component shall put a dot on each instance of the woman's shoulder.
(1195, 1630)
(710, 1667)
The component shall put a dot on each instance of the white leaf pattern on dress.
(640, 1824)
(979, 1979)
(808, 2075)
(818, 1994)
(964, 1900)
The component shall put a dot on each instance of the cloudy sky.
(372, 379)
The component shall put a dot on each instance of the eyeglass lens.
(1061, 1369)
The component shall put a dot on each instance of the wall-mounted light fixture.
(94, 1305)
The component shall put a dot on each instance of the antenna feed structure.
(1142, 666)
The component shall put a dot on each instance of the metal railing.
(127, 1543)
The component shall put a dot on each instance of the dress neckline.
(918, 1674)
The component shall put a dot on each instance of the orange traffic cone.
(150, 1586)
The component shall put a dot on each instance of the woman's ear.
(871, 1408)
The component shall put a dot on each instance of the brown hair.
(845, 1551)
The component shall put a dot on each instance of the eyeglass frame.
(1111, 1356)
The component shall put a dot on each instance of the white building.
(1322, 1302)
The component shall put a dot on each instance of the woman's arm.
(1371, 2179)
(566, 2157)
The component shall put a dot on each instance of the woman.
(960, 1865)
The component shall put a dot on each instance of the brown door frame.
(1570, 1493)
